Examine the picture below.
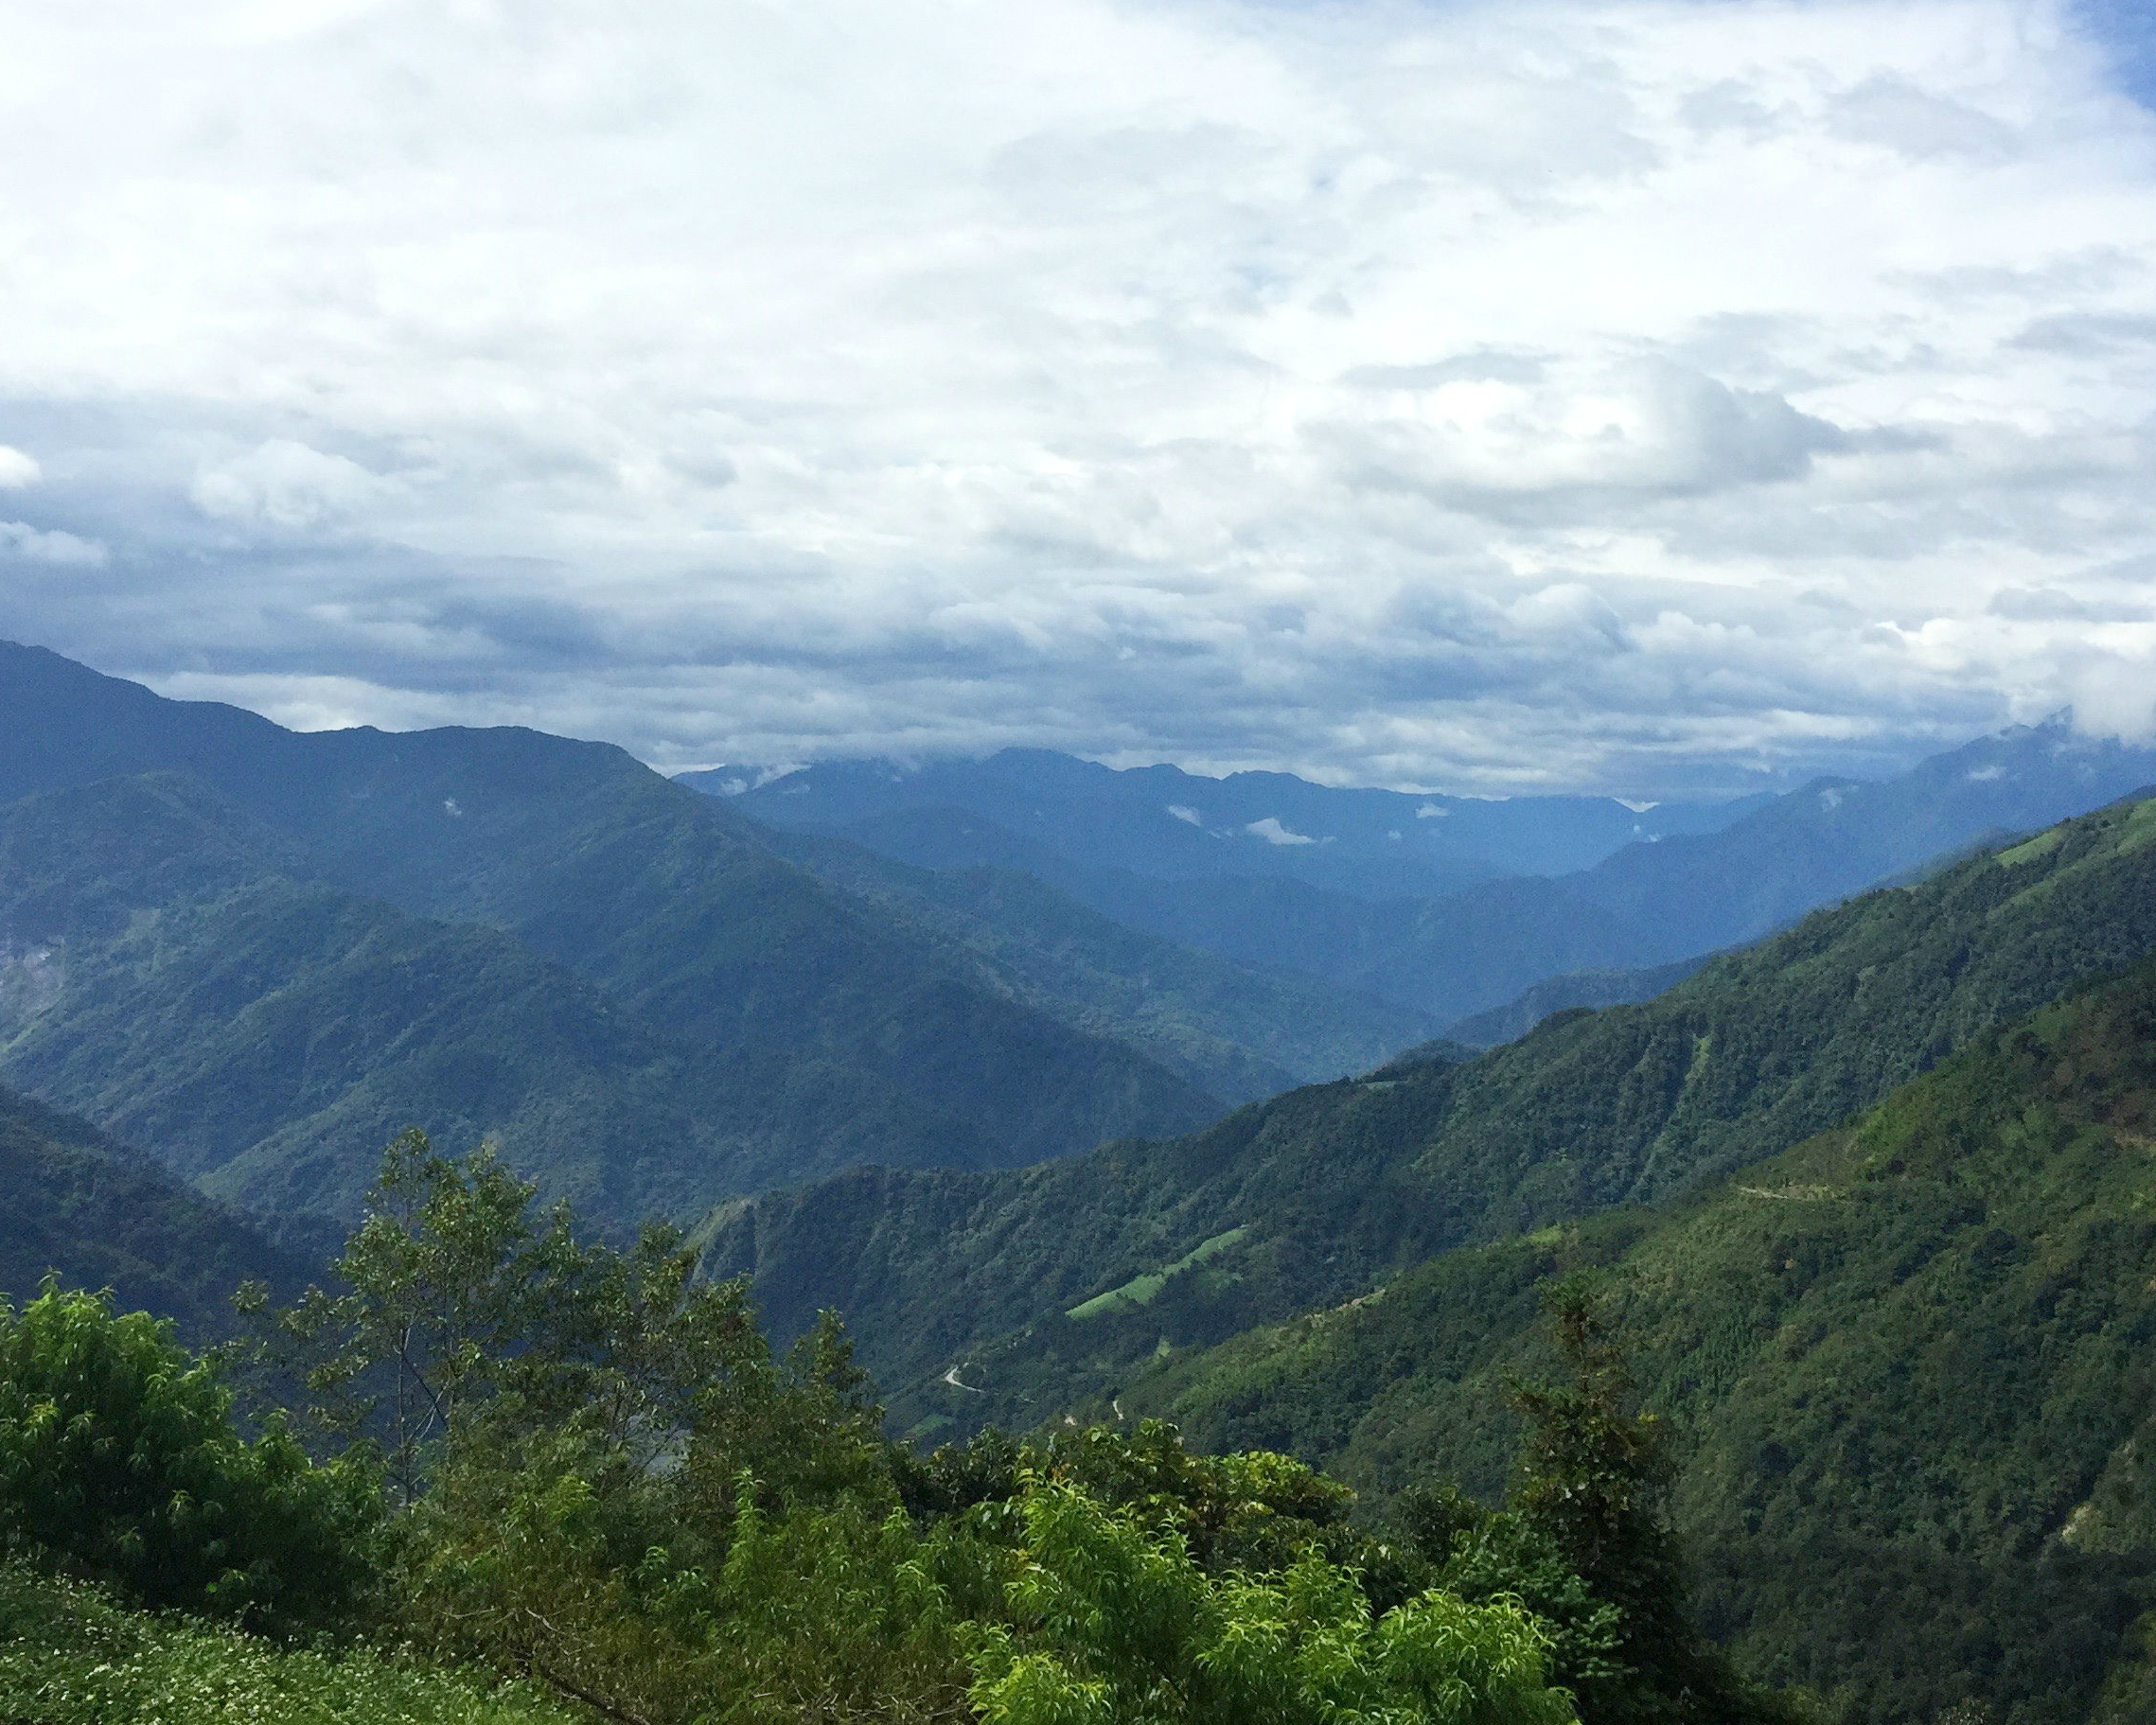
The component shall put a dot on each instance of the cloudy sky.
(1635, 396)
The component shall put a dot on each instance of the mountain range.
(1004, 1277)
(260, 954)
(1843, 1098)
(1165, 823)
(1527, 891)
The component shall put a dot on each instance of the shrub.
(120, 1460)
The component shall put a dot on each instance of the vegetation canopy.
(569, 1465)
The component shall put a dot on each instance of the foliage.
(603, 1482)
(71, 1656)
(581, 1434)
(1591, 1480)
(1113, 1622)
(119, 1459)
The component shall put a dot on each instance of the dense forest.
(527, 1476)
(1316, 1197)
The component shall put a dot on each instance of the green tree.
(1112, 1622)
(1589, 1488)
(119, 1459)
(571, 1428)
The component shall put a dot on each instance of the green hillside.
(195, 987)
(1911, 1364)
(260, 953)
(100, 1215)
(1342, 1184)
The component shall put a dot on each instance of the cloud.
(1611, 395)
(1271, 830)
(17, 471)
(1896, 114)
(2114, 696)
(18, 539)
(1187, 815)
(283, 484)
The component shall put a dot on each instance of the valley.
(1839, 1101)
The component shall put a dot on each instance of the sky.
(1651, 398)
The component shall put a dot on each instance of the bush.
(120, 1460)
(69, 1656)
(1115, 1624)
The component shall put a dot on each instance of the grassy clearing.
(2042, 845)
(1141, 1290)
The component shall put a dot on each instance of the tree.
(572, 1428)
(1590, 1486)
(119, 1459)
(1112, 1622)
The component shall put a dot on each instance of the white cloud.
(283, 484)
(2114, 696)
(1621, 395)
(1271, 830)
(20, 539)
(1187, 815)
(17, 471)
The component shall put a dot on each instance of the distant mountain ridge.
(1670, 895)
(1167, 824)
(479, 931)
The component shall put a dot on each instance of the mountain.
(1907, 1364)
(1167, 824)
(1238, 1032)
(1454, 954)
(100, 1215)
(1317, 1196)
(1588, 987)
(287, 946)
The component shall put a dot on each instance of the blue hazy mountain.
(1644, 902)
(1169, 824)
(257, 953)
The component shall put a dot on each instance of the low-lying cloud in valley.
(1471, 396)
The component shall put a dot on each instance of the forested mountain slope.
(1454, 954)
(1318, 1195)
(1908, 1365)
(498, 930)
(1239, 1032)
(191, 986)
(100, 1215)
